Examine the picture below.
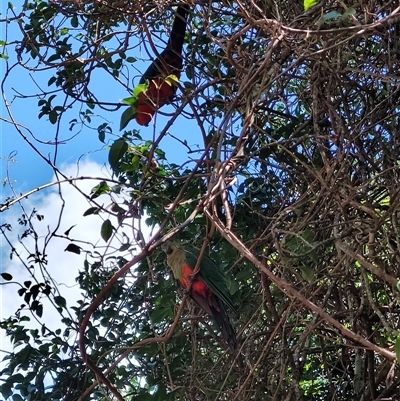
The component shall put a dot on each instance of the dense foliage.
(287, 172)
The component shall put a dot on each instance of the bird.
(162, 74)
(208, 288)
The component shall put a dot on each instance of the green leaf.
(39, 310)
(117, 209)
(46, 290)
(129, 114)
(69, 230)
(54, 57)
(397, 348)
(60, 301)
(348, 12)
(51, 81)
(189, 71)
(129, 100)
(35, 290)
(74, 21)
(7, 276)
(17, 378)
(5, 390)
(309, 3)
(53, 117)
(106, 230)
(92, 210)
(73, 248)
(102, 136)
(117, 151)
(188, 85)
(171, 79)
(124, 247)
(135, 162)
(307, 273)
(100, 189)
(159, 314)
(138, 89)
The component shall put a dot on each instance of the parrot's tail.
(177, 35)
(224, 324)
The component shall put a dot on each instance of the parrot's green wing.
(212, 275)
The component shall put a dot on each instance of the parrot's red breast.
(157, 94)
(199, 287)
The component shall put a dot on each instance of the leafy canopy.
(279, 154)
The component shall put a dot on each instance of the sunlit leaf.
(310, 3)
(138, 89)
(171, 79)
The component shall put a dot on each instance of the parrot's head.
(175, 258)
(168, 247)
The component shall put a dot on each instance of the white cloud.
(62, 266)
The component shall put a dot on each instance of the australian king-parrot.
(163, 72)
(208, 287)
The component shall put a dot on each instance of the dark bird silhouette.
(162, 74)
